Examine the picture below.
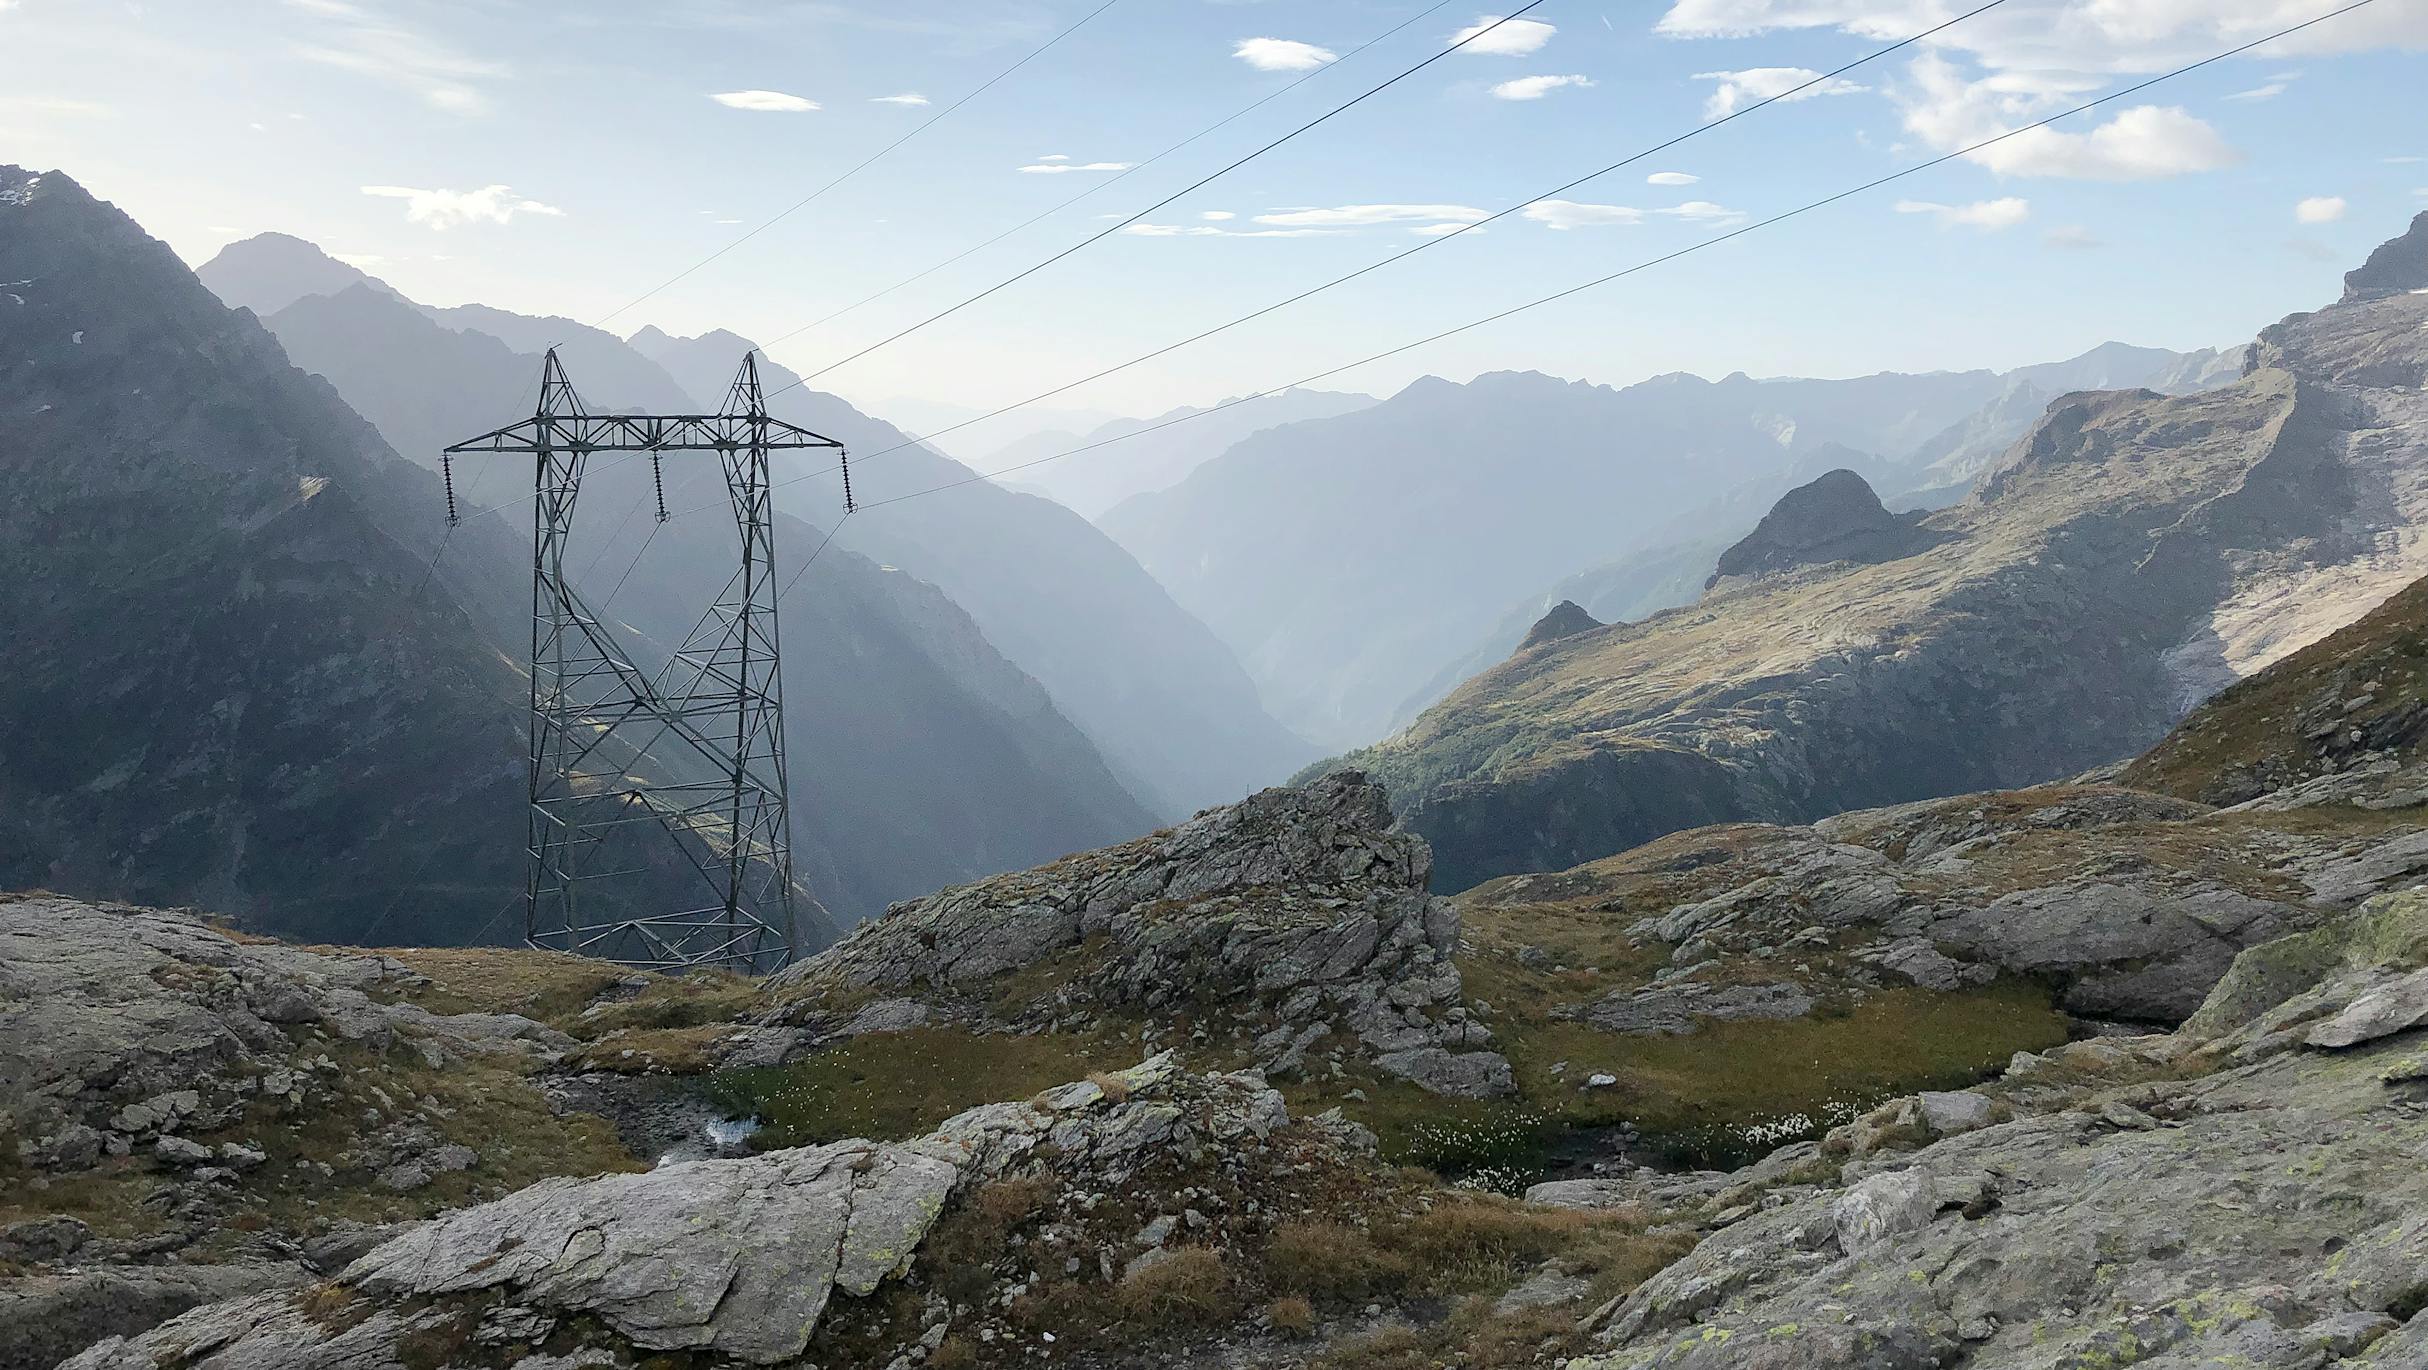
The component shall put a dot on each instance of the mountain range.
(1121, 458)
(1156, 692)
(1483, 502)
(2131, 555)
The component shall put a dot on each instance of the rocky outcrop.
(2133, 554)
(123, 1028)
(2130, 905)
(1296, 918)
(744, 1260)
(1834, 517)
(2245, 1192)
(2396, 267)
(1565, 619)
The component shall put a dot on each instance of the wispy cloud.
(2320, 209)
(1366, 216)
(1671, 178)
(1282, 54)
(908, 97)
(1986, 215)
(2070, 238)
(1567, 214)
(445, 209)
(1706, 213)
(1515, 38)
(1216, 216)
(2267, 92)
(1209, 231)
(1535, 87)
(1058, 163)
(358, 39)
(1738, 89)
(767, 101)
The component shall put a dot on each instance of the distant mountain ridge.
(1475, 501)
(2133, 554)
(1155, 453)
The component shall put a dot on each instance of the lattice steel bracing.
(621, 758)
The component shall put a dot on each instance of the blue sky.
(2187, 216)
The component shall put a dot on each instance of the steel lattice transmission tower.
(694, 752)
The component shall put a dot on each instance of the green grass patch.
(1719, 1097)
(899, 1084)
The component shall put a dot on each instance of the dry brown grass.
(1116, 1089)
(1329, 1261)
(1190, 1288)
(1291, 1316)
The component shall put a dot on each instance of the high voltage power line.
(1629, 160)
(1109, 182)
(924, 125)
(1111, 229)
(874, 157)
(1580, 288)
(1463, 41)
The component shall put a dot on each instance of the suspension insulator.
(657, 473)
(446, 467)
(843, 461)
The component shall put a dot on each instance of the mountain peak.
(269, 271)
(1566, 619)
(1834, 517)
(2399, 265)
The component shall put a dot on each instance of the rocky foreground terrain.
(2080, 1076)
(2131, 555)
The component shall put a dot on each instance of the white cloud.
(1217, 215)
(1209, 231)
(2114, 36)
(1444, 230)
(765, 101)
(1738, 89)
(2023, 62)
(1057, 164)
(356, 38)
(1282, 54)
(1567, 214)
(1671, 178)
(2267, 92)
(2071, 237)
(2320, 209)
(1535, 87)
(1705, 212)
(445, 209)
(1516, 38)
(361, 261)
(1363, 216)
(908, 97)
(2144, 142)
(1987, 215)
(2404, 161)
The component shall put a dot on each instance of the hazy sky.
(562, 158)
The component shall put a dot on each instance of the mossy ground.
(487, 1105)
(899, 1084)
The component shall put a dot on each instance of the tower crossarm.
(587, 433)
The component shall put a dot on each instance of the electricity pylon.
(600, 780)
